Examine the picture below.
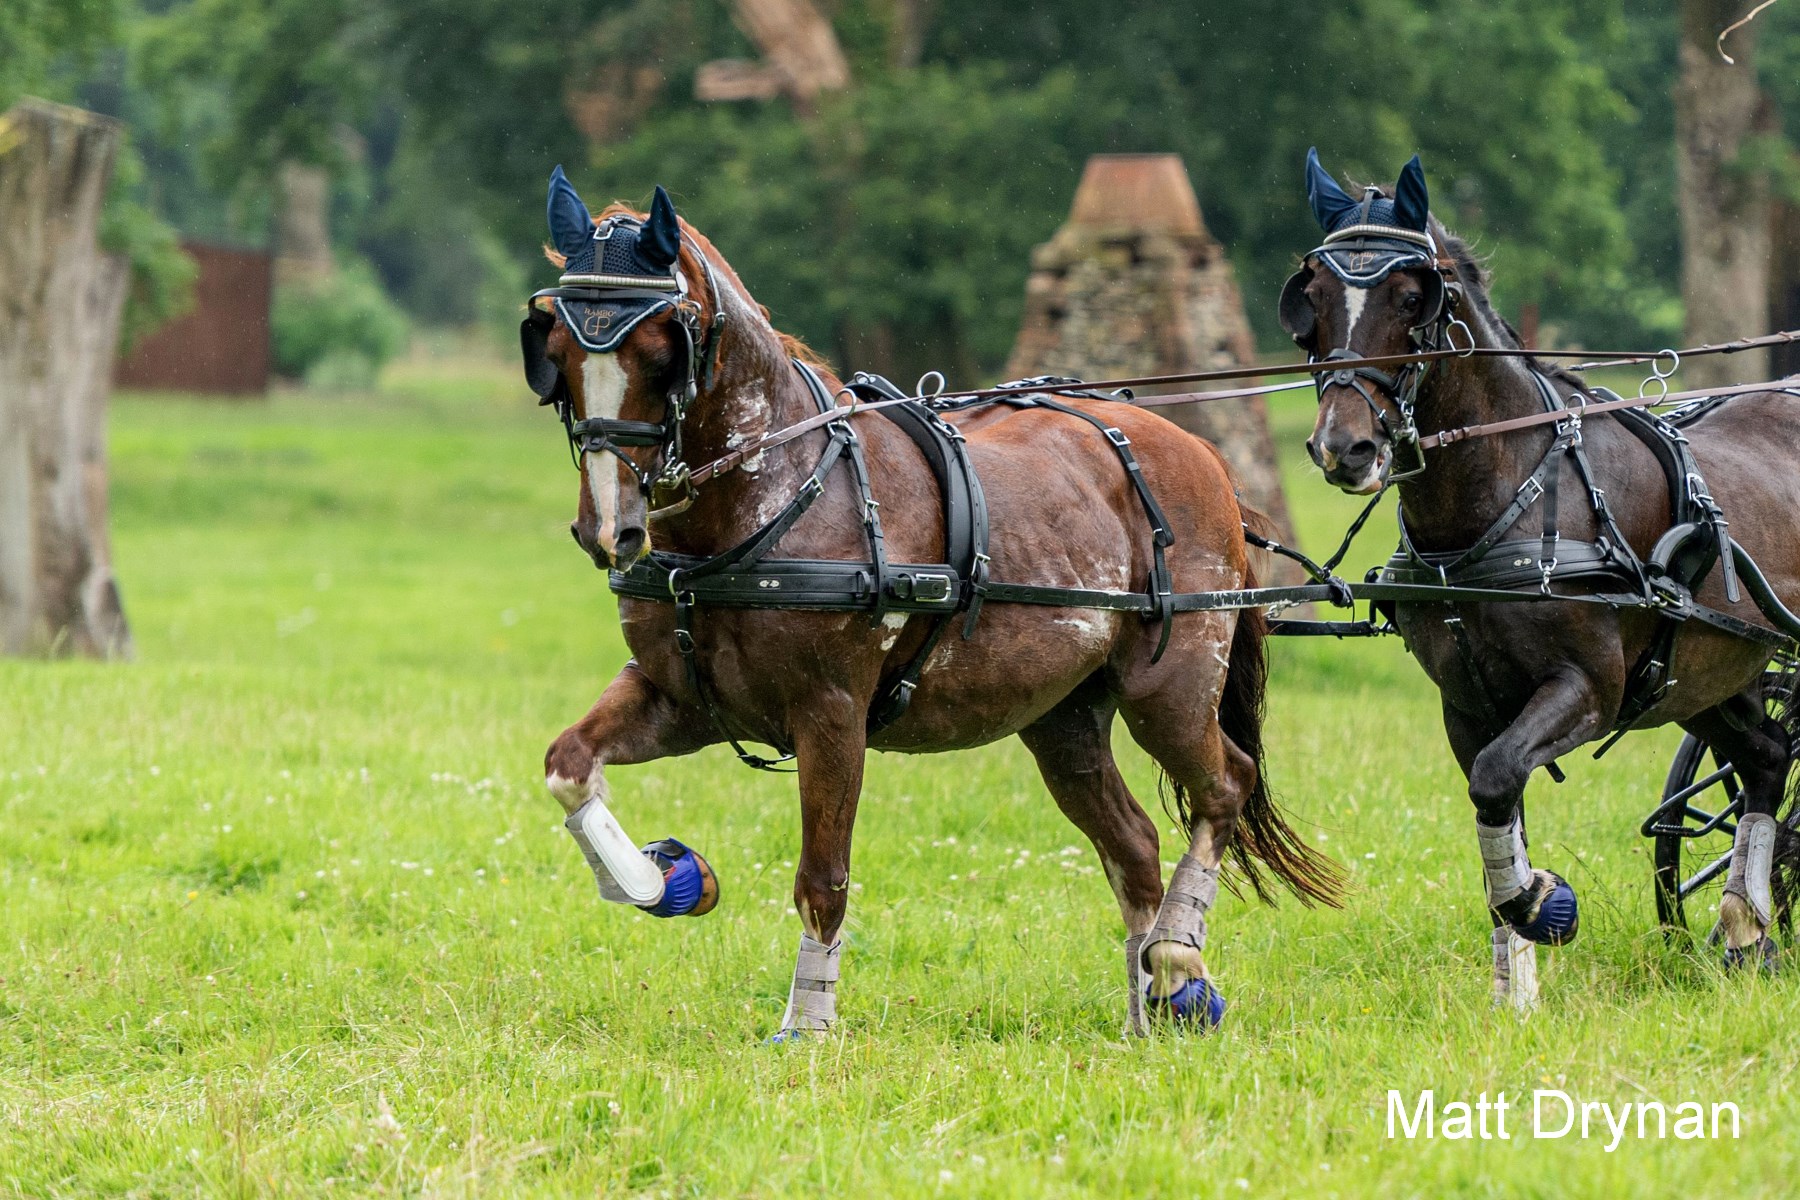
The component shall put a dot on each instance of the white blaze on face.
(603, 390)
(1354, 299)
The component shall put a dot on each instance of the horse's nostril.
(1312, 452)
(1359, 455)
(629, 544)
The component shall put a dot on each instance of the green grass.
(287, 910)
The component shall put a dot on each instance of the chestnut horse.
(1525, 683)
(1062, 512)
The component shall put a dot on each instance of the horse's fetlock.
(1738, 922)
(1172, 964)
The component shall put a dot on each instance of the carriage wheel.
(1694, 824)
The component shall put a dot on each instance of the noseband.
(1361, 255)
(599, 311)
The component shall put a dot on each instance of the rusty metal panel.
(221, 345)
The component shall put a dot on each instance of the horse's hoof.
(1556, 918)
(1760, 955)
(1196, 1003)
(690, 889)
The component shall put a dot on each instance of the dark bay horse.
(1061, 511)
(1523, 683)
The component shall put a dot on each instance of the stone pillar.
(1133, 284)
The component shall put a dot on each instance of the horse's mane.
(792, 346)
(1475, 276)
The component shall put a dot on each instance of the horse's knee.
(1496, 782)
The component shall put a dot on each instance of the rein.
(1450, 436)
(738, 455)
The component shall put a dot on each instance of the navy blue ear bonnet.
(1366, 240)
(632, 260)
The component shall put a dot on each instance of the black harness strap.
(1161, 588)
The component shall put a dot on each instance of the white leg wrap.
(1135, 1024)
(1752, 861)
(625, 874)
(1515, 970)
(812, 1002)
(1182, 918)
(1505, 867)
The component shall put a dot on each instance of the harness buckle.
(926, 588)
(1697, 491)
(1534, 486)
(1116, 437)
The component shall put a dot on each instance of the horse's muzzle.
(1360, 469)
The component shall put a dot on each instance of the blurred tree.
(51, 48)
(891, 226)
(1721, 123)
(300, 74)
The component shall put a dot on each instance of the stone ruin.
(1134, 285)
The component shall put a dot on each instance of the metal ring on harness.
(1658, 376)
(1450, 342)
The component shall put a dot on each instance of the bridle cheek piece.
(1362, 256)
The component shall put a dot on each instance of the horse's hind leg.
(1213, 778)
(1073, 748)
(1759, 754)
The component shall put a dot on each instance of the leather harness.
(1495, 569)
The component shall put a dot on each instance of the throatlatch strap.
(812, 1002)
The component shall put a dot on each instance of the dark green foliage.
(892, 227)
(882, 229)
(344, 325)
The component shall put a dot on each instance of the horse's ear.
(1411, 207)
(1329, 201)
(570, 224)
(661, 240)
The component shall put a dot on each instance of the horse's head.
(621, 348)
(1375, 287)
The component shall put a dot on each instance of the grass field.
(287, 910)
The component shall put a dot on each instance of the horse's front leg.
(632, 722)
(1536, 906)
(829, 745)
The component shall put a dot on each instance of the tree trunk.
(1784, 284)
(60, 303)
(1724, 208)
(303, 225)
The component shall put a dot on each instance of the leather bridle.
(666, 484)
(1362, 255)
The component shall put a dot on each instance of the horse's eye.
(1409, 302)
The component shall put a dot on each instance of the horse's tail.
(1263, 837)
